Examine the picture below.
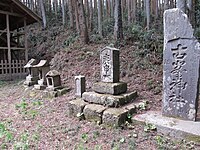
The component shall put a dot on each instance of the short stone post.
(79, 85)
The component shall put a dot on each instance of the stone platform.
(110, 88)
(100, 114)
(109, 100)
(171, 126)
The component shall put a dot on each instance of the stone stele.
(180, 67)
(109, 60)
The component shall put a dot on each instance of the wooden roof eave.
(27, 10)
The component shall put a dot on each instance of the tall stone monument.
(109, 103)
(180, 67)
(109, 58)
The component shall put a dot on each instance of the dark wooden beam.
(10, 13)
(3, 4)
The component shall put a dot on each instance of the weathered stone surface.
(176, 25)
(109, 61)
(32, 77)
(56, 93)
(114, 116)
(75, 106)
(171, 126)
(109, 100)
(132, 108)
(110, 88)
(180, 66)
(53, 80)
(93, 112)
(79, 85)
(39, 87)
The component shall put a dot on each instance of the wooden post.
(8, 44)
(25, 42)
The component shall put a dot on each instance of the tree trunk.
(63, 13)
(91, 16)
(148, 13)
(100, 28)
(71, 16)
(77, 16)
(166, 4)
(129, 12)
(83, 26)
(118, 30)
(43, 14)
(133, 11)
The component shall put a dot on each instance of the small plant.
(159, 140)
(122, 140)
(96, 134)
(80, 116)
(84, 137)
(149, 127)
(23, 144)
(23, 105)
(8, 136)
(142, 105)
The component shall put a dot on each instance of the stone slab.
(110, 88)
(39, 87)
(131, 108)
(171, 126)
(114, 116)
(75, 107)
(79, 85)
(109, 62)
(93, 112)
(180, 67)
(56, 93)
(109, 100)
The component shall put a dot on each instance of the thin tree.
(147, 4)
(43, 14)
(118, 29)
(83, 25)
(63, 13)
(71, 16)
(100, 26)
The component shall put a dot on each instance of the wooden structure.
(14, 18)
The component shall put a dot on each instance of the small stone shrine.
(43, 68)
(109, 103)
(32, 77)
(54, 86)
(53, 80)
(180, 66)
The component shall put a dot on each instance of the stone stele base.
(110, 88)
(56, 93)
(100, 114)
(173, 127)
(109, 100)
(39, 87)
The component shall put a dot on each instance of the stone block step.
(75, 107)
(109, 100)
(110, 88)
(100, 114)
(93, 112)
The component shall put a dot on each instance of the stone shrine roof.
(30, 63)
(42, 63)
(52, 73)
